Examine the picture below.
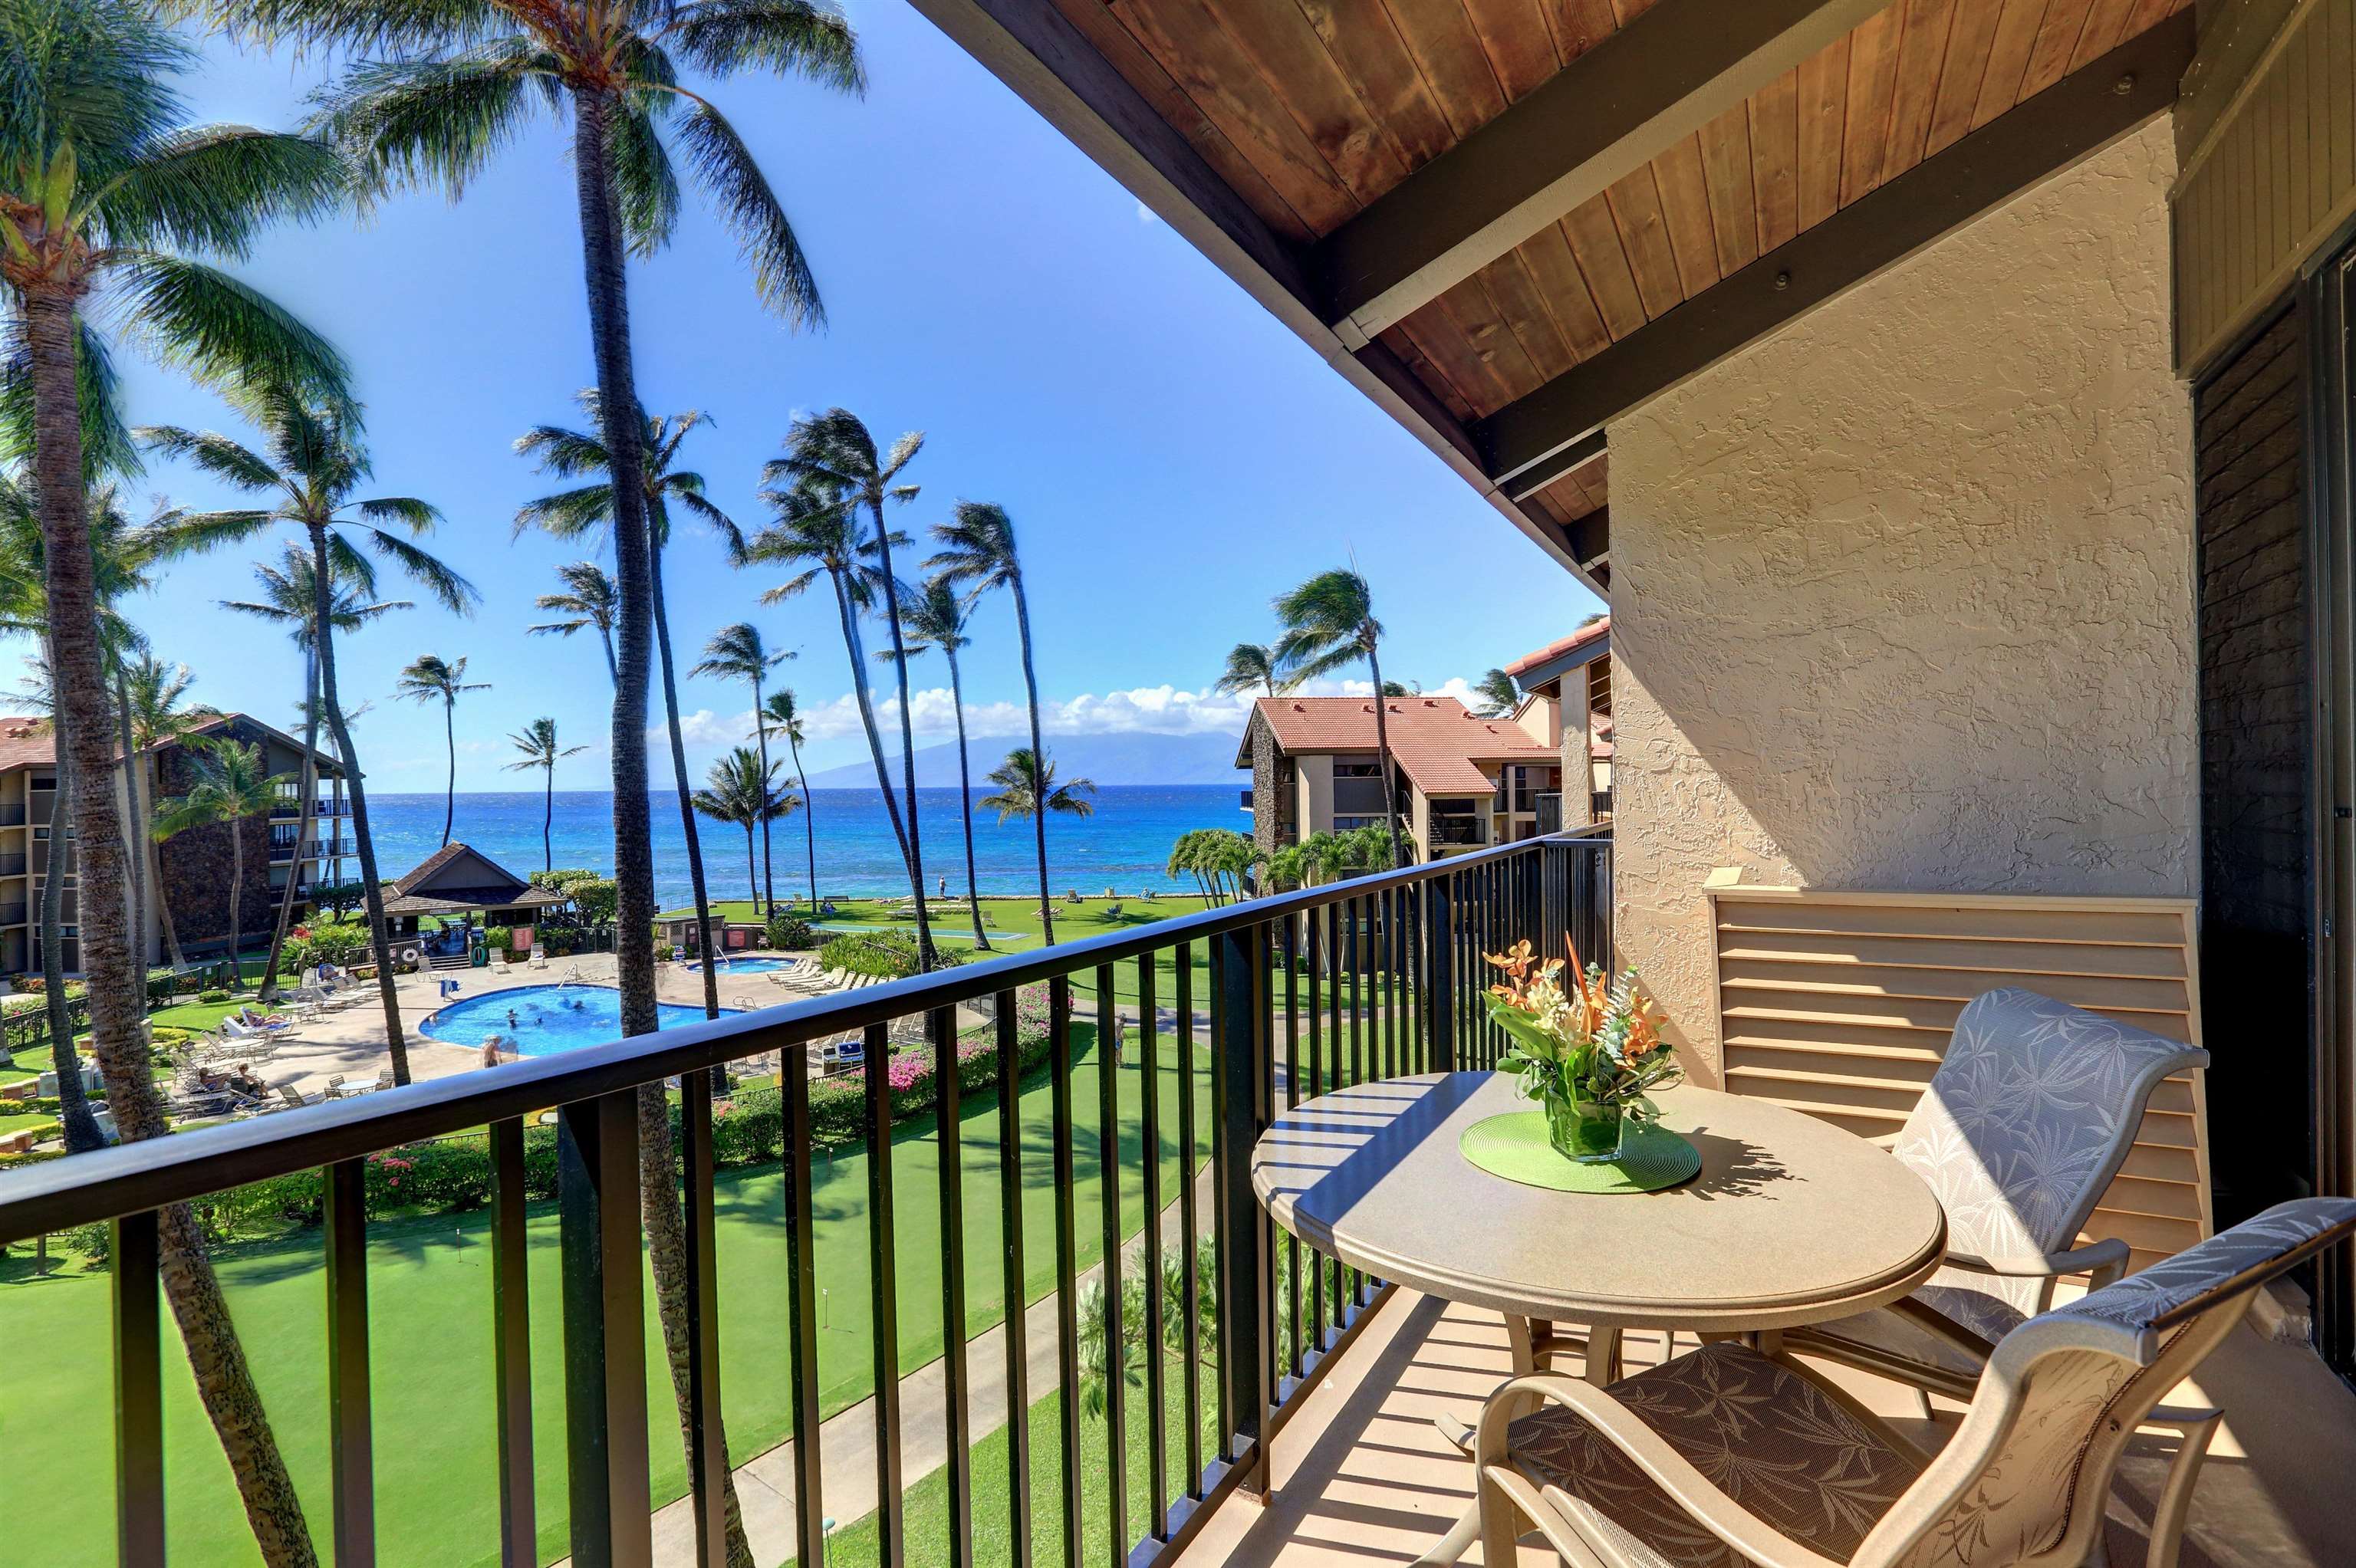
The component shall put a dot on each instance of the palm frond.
(563, 452)
(363, 27)
(418, 517)
(449, 590)
(224, 331)
(645, 187)
(224, 457)
(568, 514)
(788, 37)
(215, 187)
(434, 122)
(719, 161)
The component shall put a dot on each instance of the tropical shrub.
(338, 945)
(789, 930)
(889, 955)
(596, 900)
(212, 996)
(499, 938)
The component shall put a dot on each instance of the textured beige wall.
(1903, 596)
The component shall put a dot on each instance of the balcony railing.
(12, 865)
(1273, 999)
(1357, 796)
(12, 816)
(12, 915)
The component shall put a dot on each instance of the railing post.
(1440, 975)
(135, 1252)
(1241, 1114)
(604, 1331)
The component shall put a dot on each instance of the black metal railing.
(12, 915)
(12, 865)
(12, 816)
(1262, 1003)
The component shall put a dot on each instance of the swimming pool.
(745, 965)
(547, 1019)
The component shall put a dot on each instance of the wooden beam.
(2076, 116)
(1538, 476)
(1601, 118)
(1034, 50)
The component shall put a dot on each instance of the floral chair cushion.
(2028, 1118)
(1772, 1439)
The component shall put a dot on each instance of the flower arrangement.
(1588, 1051)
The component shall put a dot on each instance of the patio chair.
(292, 1096)
(2029, 1116)
(1639, 1475)
(335, 1087)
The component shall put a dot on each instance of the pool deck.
(350, 1042)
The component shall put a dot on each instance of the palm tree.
(431, 677)
(104, 197)
(978, 554)
(779, 715)
(1329, 622)
(314, 463)
(936, 616)
(287, 600)
(741, 789)
(833, 454)
(149, 697)
(1251, 664)
(588, 509)
(1027, 788)
(816, 526)
(1498, 695)
(231, 787)
(591, 598)
(536, 742)
(736, 652)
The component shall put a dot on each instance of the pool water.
(746, 966)
(548, 1019)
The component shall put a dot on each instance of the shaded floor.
(1363, 1477)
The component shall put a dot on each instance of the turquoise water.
(1124, 844)
(540, 1020)
(747, 966)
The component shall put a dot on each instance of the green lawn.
(430, 1302)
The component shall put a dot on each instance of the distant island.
(1124, 759)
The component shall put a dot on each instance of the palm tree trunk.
(548, 818)
(303, 824)
(152, 854)
(926, 958)
(752, 878)
(634, 868)
(117, 1007)
(769, 865)
(1383, 754)
(612, 668)
(809, 821)
(450, 791)
(236, 892)
(73, 1105)
(127, 769)
(852, 644)
(323, 641)
(965, 804)
(679, 778)
(1039, 753)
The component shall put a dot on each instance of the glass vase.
(1583, 1131)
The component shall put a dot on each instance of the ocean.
(1125, 845)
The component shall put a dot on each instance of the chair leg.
(1501, 1523)
(2193, 1429)
(1922, 1404)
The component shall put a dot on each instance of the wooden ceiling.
(1311, 112)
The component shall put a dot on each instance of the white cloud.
(1152, 709)
(1147, 215)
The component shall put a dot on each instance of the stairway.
(449, 960)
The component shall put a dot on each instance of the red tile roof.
(24, 741)
(1600, 627)
(1437, 740)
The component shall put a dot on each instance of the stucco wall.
(1901, 596)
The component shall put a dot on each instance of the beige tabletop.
(1791, 1220)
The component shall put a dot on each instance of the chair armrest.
(2105, 1260)
(1702, 1499)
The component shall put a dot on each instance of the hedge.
(747, 1128)
(886, 954)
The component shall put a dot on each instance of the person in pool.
(512, 1019)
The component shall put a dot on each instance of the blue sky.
(1172, 456)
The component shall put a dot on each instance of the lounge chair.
(1638, 1473)
(1111, 912)
(292, 1096)
(2030, 1114)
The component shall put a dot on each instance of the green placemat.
(1514, 1145)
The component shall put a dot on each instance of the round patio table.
(1791, 1220)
